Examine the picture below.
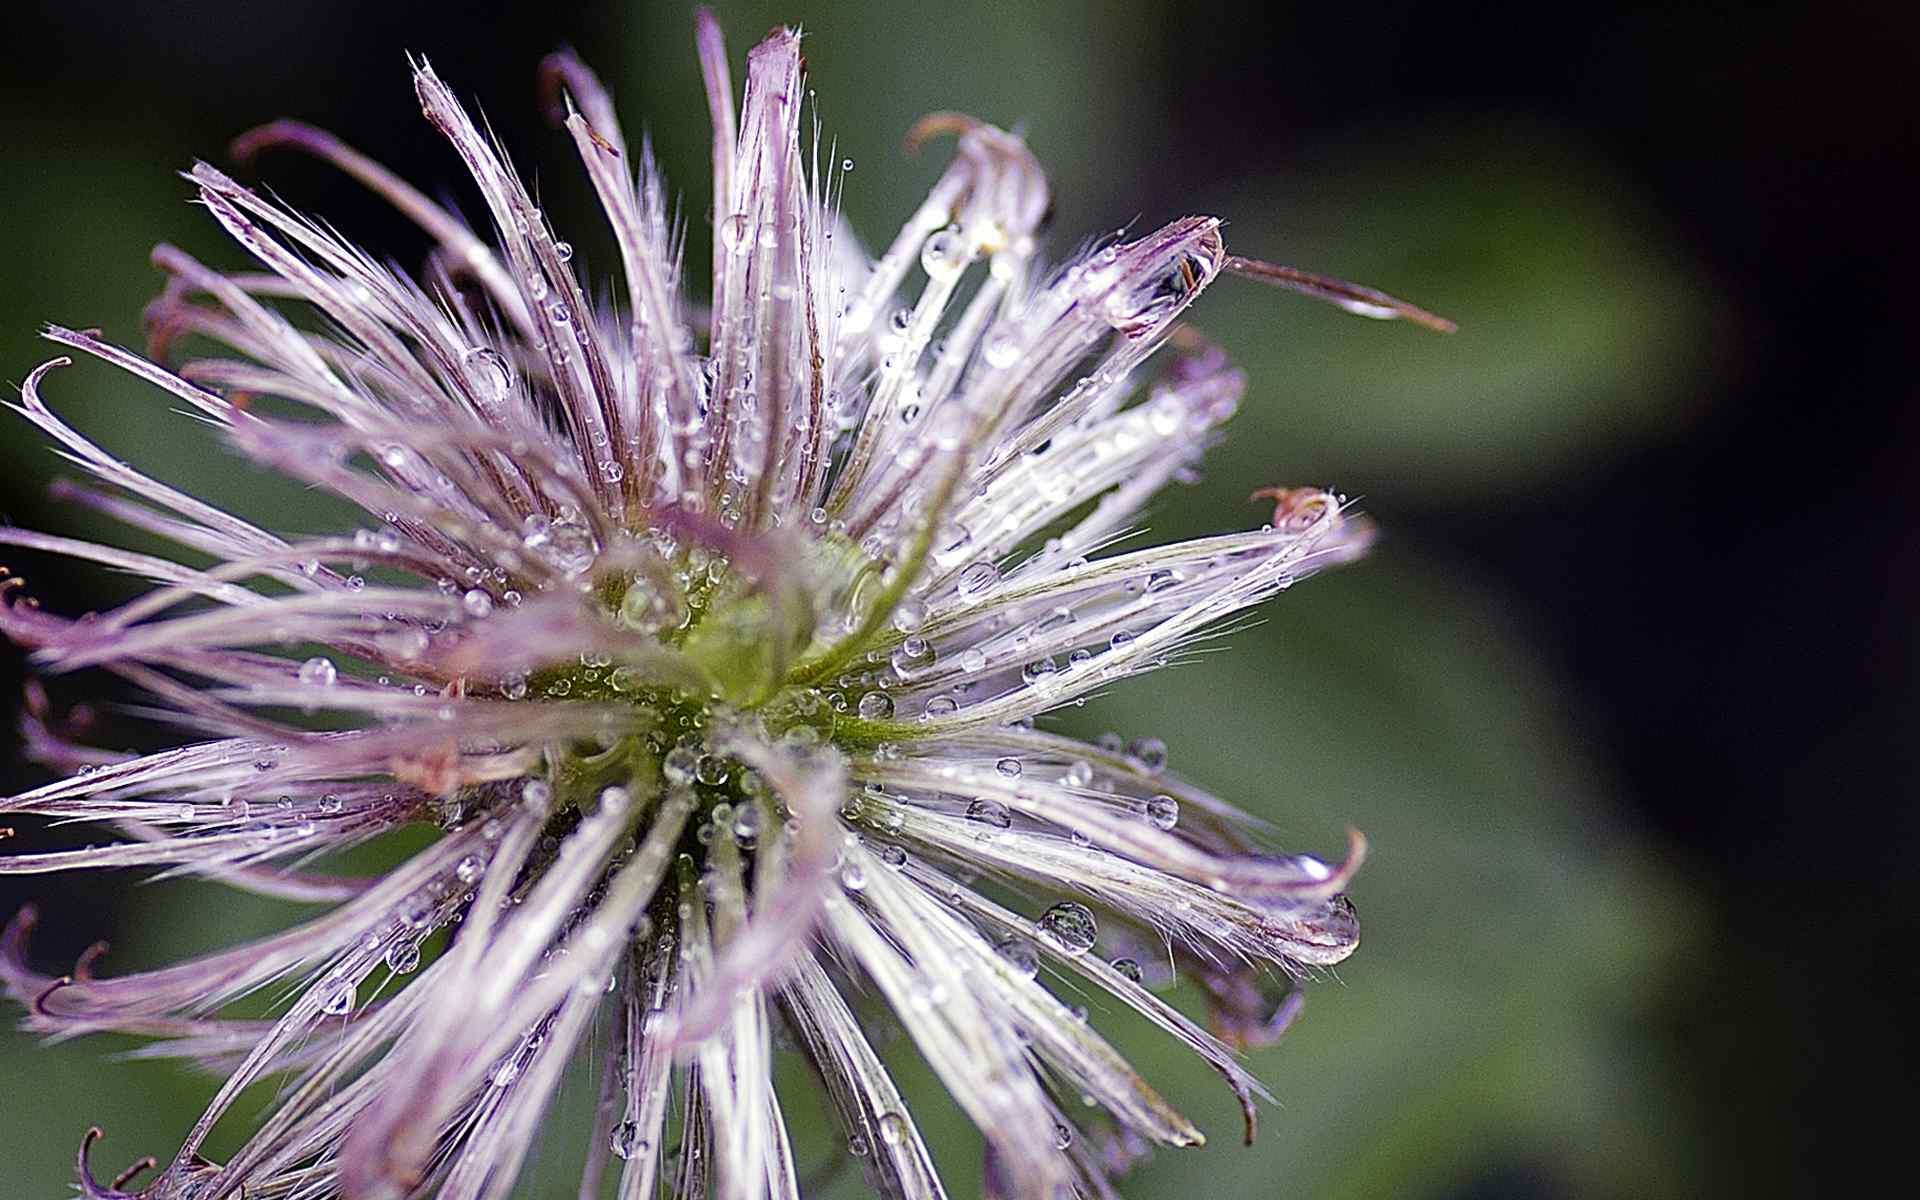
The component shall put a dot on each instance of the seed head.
(712, 641)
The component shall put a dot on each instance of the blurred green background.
(1622, 700)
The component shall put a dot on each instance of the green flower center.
(753, 646)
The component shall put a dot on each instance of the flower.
(713, 644)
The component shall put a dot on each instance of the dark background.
(1626, 698)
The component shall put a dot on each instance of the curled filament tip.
(1353, 297)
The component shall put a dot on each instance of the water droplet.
(944, 255)
(1150, 753)
(625, 1141)
(1078, 775)
(559, 313)
(1312, 867)
(857, 1145)
(1002, 348)
(1021, 955)
(912, 657)
(876, 706)
(416, 911)
(477, 603)
(403, 957)
(893, 1129)
(1070, 926)
(1062, 1135)
(747, 821)
(853, 876)
(846, 164)
(978, 579)
(1163, 811)
(959, 539)
(564, 543)
(563, 251)
(893, 856)
(941, 706)
(338, 1001)
(319, 671)
(679, 764)
(470, 868)
(1009, 767)
(990, 812)
(1127, 968)
(488, 375)
(909, 616)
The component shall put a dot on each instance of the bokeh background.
(1625, 700)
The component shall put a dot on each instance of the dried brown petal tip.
(83, 966)
(937, 124)
(125, 1177)
(1297, 508)
(243, 148)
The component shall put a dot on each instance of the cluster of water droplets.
(565, 542)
